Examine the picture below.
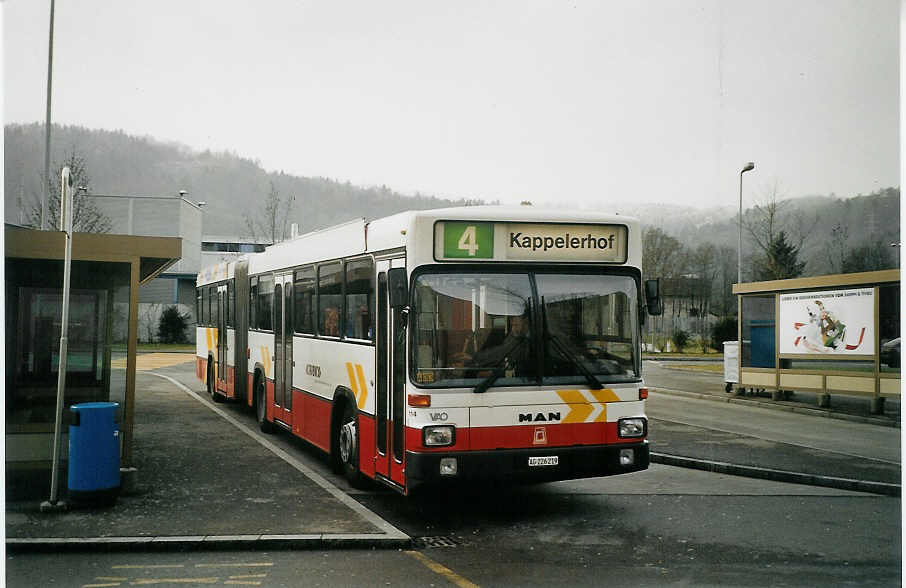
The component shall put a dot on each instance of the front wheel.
(261, 408)
(348, 448)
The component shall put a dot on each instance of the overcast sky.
(582, 102)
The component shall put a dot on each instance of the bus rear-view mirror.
(398, 286)
(653, 299)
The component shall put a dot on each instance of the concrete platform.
(202, 483)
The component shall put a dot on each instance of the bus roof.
(397, 231)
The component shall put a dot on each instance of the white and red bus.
(441, 345)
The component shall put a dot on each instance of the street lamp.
(748, 167)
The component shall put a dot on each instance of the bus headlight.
(636, 427)
(439, 436)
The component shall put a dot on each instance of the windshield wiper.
(567, 352)
(499, 369)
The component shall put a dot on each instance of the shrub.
(680, 339)
(723, 330)
(172, 325)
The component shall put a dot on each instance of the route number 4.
(469, 240)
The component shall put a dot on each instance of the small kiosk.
(835, 334)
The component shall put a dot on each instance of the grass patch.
(159, 347)
(709, 368)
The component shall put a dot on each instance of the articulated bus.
(468, 343)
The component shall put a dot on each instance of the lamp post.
(748, 167)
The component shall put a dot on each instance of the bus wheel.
(212, 385)
(348, 446)
(261, 408)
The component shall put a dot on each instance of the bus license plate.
(550, 460)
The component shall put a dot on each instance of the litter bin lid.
(93, 406)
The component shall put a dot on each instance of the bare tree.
(87, 217)
(271, 224)
(772, 228)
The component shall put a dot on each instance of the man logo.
(539, 417)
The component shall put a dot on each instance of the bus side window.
(253, 302)
(266, 302)
(231, 303)
(330, 299)
(303, 300)
(212, 305)
(360, 299)
(199, 317)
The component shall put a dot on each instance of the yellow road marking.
(248, 576)
(101, 585)
(152, 581)
(110, 578)
(148, 567)
(236, 565)
(242, 583)
(441, 570)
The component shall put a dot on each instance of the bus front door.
(390, 350)
(283, 349)
(222, 339)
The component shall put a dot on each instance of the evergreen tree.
(780, 260)
(869, 257)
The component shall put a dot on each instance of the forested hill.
(235, 187)
(232, 186)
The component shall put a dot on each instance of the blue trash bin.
(94, 453)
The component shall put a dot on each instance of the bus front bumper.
(513, 464)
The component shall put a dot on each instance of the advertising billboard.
(828, 323)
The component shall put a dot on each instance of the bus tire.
(212, 385)
(261, 407)
(348, 447)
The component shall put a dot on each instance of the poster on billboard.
(832, 323)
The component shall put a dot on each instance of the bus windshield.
(520, 329)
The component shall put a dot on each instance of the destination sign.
(463, 240)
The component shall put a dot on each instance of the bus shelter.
(107, 271)
(836, 334)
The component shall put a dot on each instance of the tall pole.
(748, 167)
(53, 503)
(47, 120)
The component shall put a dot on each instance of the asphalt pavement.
(201, 483)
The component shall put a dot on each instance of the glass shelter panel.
(758, 331)
(96, 346)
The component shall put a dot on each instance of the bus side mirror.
(398, 286)
(653, 297)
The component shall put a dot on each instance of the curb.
(207, 543)
(729, 399)
(777, 475)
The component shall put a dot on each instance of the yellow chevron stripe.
(363, 388)
(605, 395)
(352, 383)
(602, 418)
(266, 359)
(579, 408)
(572, 397)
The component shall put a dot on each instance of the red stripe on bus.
(521, 437)
(367, 449)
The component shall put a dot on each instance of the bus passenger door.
(390, 361)
(283, 349)
(222, 339)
